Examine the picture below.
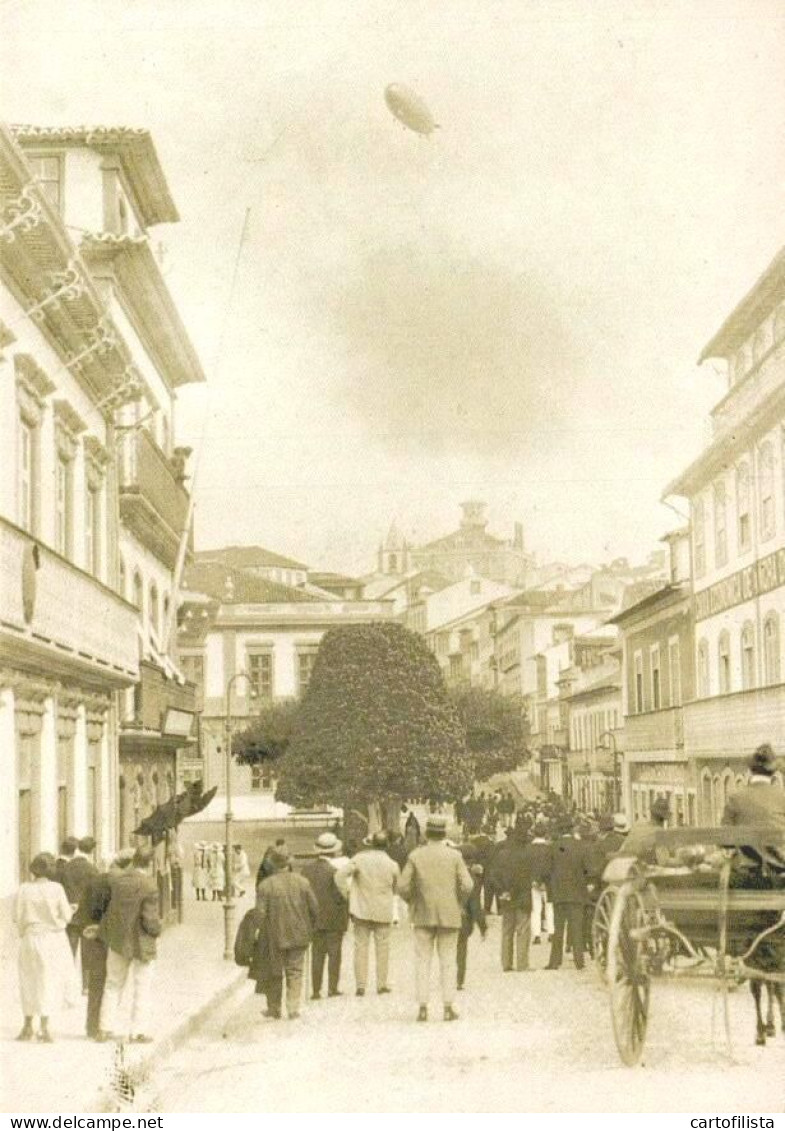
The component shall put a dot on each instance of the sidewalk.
(76, 1075)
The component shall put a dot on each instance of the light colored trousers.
(363, 929)
(119, 972)
(446, 942)
(515, 938)
(540, 907)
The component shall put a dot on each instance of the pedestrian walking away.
(332, 919)
(129, 930)
(568, 886)
(287, 915)
(512, 874)
(370, 881)
(436, 883)
(47, 975)
(472, 913)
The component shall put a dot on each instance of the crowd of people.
(538, 866)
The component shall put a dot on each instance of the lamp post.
(228, 877)
(615, 751)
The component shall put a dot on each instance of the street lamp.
(616, 783)
(228, 877)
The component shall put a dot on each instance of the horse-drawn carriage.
(690, 903)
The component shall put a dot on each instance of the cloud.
(447, 352)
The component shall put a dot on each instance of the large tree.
(268, 734)
(376, 726)
(496, 730)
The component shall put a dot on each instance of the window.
(744, 532)
(723, 659)
(121, 578)
(48, 173)
(138, 595)
(638, 683)
(393, 563)
(305, 662)
(28, 470)
(771, 648)
(93, 531)
(703, 669)
(674, 671)
(766, 475)
(699, 537)
(260, 674)
(63, 506)
(261, 778)
(748, 656)
(656, 698)
(720, 531)
(153, 611)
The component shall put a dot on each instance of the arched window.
(166, 607)
(723, 663)
(703, 670)
(720, 528)
(699, 537)
(138, 596)
(707, 803)
(771, 648)
(748, 656)
(121, 578)
(766, 478)
(153, 611)
(743, 510)
(716, 804)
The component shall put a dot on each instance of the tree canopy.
(268, 734)
(376, 722)
(496, 730)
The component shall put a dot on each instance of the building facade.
(736, 495)
(473, 547)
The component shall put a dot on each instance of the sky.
(510, 309)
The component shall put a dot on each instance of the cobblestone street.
(538, 1041)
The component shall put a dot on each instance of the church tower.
(394, 556)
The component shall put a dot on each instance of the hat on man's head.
(123, 858)
(378, 839)
(620, 823)
(764, 760)
(436, 826)
(606, 822)
(327, 844)
(661, 808)
(279, 861)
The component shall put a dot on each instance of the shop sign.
(744, 585)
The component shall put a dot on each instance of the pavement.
(76, 1075)
(526, 1042)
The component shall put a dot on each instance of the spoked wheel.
(600, 931)
(627, 974)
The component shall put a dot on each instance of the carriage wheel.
(600, 931)
(627, 975)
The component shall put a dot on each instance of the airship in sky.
(409, 109)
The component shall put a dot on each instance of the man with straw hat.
(332, 919)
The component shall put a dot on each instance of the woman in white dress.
(47, 974)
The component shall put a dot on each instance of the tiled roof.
(247, 557)
(238, 587)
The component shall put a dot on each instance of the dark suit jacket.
(570, 870)
(76, 875)
(511, 873)
(333, 914)
(132, 922)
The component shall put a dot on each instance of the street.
(537, 1041)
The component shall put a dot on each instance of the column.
(80, 772)
(47, 834)
(9, 820)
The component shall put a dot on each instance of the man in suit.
(333, 915)
(92, 908)
(540, 849)
(760, 802)
(77, 873)
(129, 930)
(567, 884)
(370, 881)
(436, 883)
(511, 877)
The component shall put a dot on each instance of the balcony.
(655, 731)
(153, 501)
(155, 695)
(733, 725)
(56, 617)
